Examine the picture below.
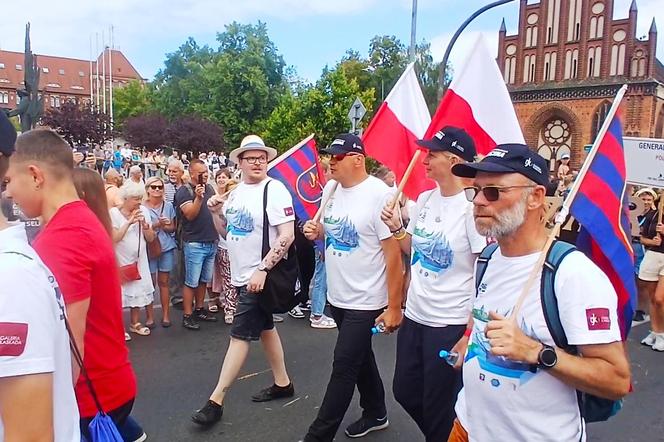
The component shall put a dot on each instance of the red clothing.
(79, 252)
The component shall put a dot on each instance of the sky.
(310, 34)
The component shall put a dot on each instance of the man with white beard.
(517, 384)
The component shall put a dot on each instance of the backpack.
(592, 408)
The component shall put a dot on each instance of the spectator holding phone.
(199, 238)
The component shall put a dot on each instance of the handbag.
(130, 271)
(282, 284)
(101, 428)
(154, 247)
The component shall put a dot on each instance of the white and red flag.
(402, 119)
(477, 101)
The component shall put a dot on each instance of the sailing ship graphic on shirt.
(432, 250)
(341, 234)
(240, 221)
(480, 348)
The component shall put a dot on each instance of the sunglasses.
(157, 187)
(491, 193)
(341, 156)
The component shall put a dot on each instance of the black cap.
(508, 158)
(7, 135)
(345, 143)
(452, 139)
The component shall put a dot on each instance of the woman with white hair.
(131, 230)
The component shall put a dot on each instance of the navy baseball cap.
(7, 135)
(508, 158)
(451, 139)
(345, 143)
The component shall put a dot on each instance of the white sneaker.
(649, 340)
(322, 322)
(296, 312)
(659, 342)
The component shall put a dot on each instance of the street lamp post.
(443, 64)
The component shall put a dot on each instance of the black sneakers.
(211, 413)
(202, 314)
(365, 426)
(274, 392)
(190, 323)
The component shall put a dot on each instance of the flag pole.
(405, 177)
(567, 203)
(286, 154)
(323, 203)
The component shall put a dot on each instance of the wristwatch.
(547, 357)
(262, 267)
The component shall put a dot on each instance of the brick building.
(63, 79)
(565, 65)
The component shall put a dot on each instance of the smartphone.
(201, 180)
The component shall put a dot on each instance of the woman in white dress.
(130, 233)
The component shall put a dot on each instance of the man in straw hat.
(240, 221)
(517, 384)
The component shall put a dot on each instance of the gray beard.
(507, 222)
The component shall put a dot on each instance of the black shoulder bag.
(282, 284)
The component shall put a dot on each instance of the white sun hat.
(252, 142)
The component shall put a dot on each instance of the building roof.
(63, 75)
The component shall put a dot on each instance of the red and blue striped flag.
(601, 209)
(299, 170)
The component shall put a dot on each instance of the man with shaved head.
(112, 186)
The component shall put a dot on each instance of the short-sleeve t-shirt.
(244, 215)
(166, 210)
(79, 252)
(501, 399)
(648, 230)
(34, 339)
(201, 228)
(444, 247)
(354, 258)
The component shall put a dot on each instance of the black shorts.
(250, 319)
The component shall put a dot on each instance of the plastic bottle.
(379, 328)
(451, 357)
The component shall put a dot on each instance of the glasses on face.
(255, 160)
(491, 193)
(340, 156)
(156, 187)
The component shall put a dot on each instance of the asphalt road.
(177, 369)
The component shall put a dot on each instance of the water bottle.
(451, 357)
(379, 328)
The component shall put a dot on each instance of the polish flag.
(477, 101)
(390, 138)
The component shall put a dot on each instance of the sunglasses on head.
(491, 193)
(156, 187)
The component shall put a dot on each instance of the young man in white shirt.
(37, 400)
(517, 384)
(443, 245)
(240, 221)
(364, 275)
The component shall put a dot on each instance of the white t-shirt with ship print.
(354, 257)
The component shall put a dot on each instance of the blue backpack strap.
(483, 262)
(558, 251)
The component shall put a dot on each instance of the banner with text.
(644, 158)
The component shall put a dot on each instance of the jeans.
(198, 263)
(425, 385)
(354, 365)
(319, 287)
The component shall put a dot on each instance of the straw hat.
(252, 142)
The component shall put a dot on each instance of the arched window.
(555, 138)
(599, 117)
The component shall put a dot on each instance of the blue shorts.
(198, 263)
(250, 319)
(165, 262)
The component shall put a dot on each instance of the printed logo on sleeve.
(12, 338)
(288, 211)
(598, 319)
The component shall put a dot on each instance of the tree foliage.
(131, 100)
(192, 133)
(78, 124)
(147, 130)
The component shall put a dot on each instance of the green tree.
(131, 100)
(321, 109)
